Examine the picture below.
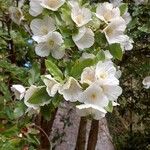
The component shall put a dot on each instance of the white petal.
(53, 5)
(112, 92)
(71, 90)
(88, 75)
(92, 110)
(107, 55)
(35, 7)
(52, 85)
(146, 82)
(87, 56)
(115, 30)
(58, 53)
(106, 67)
(18, 90)
(84, 39)
(42, 49)
(94, 95)
(41, 27)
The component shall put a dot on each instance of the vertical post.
(81, 139)
(93, 136)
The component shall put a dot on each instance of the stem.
(93, 136)
(81, 139)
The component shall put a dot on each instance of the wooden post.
(93, 135)
(81, 139)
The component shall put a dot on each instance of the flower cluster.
(66, 30)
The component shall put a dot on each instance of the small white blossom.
(92, 110)
(16, 15)
(126, 43)
(80, 16)
(71, 90)
(41, 27)
(106, 12)
(84, 39)
(35, 7)
(51, 44)
(105, 73)
(115, 30)
(19, 91)
(53, 5)
(138, 2)
(51, 84)
(146, 82)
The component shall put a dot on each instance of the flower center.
(93, 96)
(79, 19)
(108, 15)
(53, 3)
(109, 31)
(103, 75)
(51, 43)
(44, 30)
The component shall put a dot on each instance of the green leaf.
(34, 73)
(79, 66)
(54, 70)
(39, 97)
(109, 107)
(123, 8)
(116, 51)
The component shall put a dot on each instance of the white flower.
(80, 16)
(112, 91)
(52, 85)
(51, 44)
(126, 43)
(88, 75)
(146, 82)
(32, 89)
(53, 5)
(18, 90)
(94, 95)
(115, 30)
(35, 7)
(105, 73)
(71, 90)
(84, 39)
(41, 27)
(108, 56)
(106, 12)
(91, 110)
(16, 15)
